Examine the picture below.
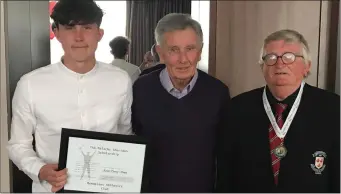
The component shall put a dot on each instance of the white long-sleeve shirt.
(54, 97)
(133, 70)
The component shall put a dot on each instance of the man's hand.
(56, 178)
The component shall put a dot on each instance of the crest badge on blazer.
(319, 165)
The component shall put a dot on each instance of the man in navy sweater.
(181, 110)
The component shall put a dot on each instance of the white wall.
(201, 12)
(4, 161)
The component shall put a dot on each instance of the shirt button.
(81, 91)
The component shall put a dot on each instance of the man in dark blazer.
(284, 137)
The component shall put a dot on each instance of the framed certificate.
(102, 162)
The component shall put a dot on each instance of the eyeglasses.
(287, 58)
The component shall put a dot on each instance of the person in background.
(78, 93)
(148, 61)
(157, 63)
(119, 49)
(181, 110)
(156, 58)
(284, 137)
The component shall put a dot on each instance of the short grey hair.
(176, 21)
(289, 36)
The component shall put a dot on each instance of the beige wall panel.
(241, 28)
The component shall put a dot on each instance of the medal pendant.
(280, 151)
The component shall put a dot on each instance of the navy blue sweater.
(182, 132)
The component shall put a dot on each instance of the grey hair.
(176, 21)
(289, 36)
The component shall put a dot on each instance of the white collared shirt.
(54, 97)
(133, 70)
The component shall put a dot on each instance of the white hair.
(176, 21)
(289, 36)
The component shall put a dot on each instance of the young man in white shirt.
(119, 48)
(79, 93)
